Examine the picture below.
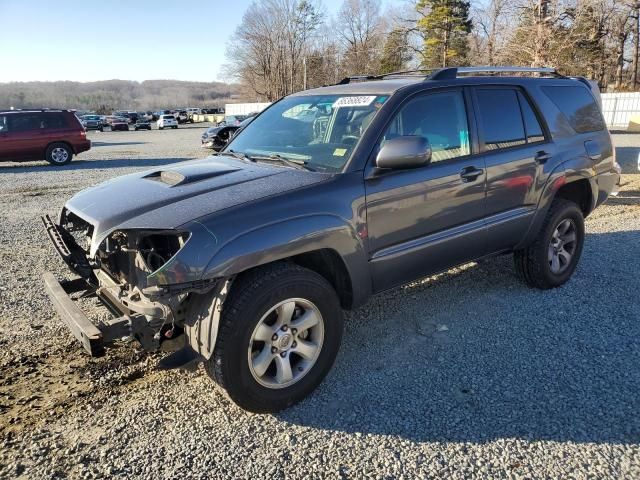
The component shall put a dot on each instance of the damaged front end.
(134, 273)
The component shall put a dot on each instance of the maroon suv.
(52, 135)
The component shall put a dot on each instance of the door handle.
(542, 156)
(469, 174)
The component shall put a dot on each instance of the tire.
(58, 154)
(536, 264)
(175, 126)
(101, 129)
(160, 128)
(265, 295)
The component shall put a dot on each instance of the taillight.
(83, 133)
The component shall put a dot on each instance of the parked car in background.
(92, 122)
(120, 123)
(167, 121)
(52, 135)
(142, 124)
(193, 111)
(181, 116)
(232, 120)
(218, 137)
(148, 116)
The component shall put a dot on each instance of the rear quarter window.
(579, 107)
(54, 120)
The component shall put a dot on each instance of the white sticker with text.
(359, 101)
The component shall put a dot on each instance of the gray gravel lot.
(465, 374)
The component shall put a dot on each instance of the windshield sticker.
(359, 101)
(339, 152)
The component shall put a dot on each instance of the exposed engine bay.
(122, 275)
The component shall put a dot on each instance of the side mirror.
(404, 152)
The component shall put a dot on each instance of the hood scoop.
(182, 175)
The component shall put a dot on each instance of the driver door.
(424, 220)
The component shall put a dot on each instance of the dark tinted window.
(54, 120)
(24, 122)
(579, 106)
(439, 117)
(531, 122)
(500, 118)
(4, 127)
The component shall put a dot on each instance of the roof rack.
(451, 73)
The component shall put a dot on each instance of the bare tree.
(359, 28)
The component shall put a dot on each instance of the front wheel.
(278, 337)
(553, 257)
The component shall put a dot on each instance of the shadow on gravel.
(110, 144)
(627, 157)
(475, 356)
(95, 164)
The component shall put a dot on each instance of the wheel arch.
(324, 243)
(64, 142)
(570, 180)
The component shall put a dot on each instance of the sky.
(46, 40)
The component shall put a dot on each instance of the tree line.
(106, 96)
(283, 46)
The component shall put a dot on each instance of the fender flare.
(564, 173)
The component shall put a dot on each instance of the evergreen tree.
(444, 26)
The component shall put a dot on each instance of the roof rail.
(36, 110)
(423, 72)
(451, 73)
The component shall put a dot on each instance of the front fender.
(294, 236)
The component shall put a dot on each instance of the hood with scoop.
(168, 197)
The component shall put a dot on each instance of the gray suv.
(244, 261)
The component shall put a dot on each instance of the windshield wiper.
(300, 165)
(239, 155)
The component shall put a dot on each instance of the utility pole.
(636, 43)
(304, 73)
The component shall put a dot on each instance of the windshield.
(320, 131)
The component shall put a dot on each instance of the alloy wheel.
(59, 155)
(562, 246)
(286, 343)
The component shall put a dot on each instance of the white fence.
(244, 108)
(619, 107)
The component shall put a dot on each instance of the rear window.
(3, 124)
(578, 106)
(168, 117)
(24, 122)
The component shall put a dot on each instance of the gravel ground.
(465, 374)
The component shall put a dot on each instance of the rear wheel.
(278, 337)
(58, 154)
(553, 257)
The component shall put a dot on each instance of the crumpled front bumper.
(92, 337)
(64, 295)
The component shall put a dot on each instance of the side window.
(500, 118)
(578, 105)
(54, 120)
(439, 117)
(531, 123)
(25, 122)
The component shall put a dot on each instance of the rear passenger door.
(514, 145)
(24, 136)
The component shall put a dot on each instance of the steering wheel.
(349, 139)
